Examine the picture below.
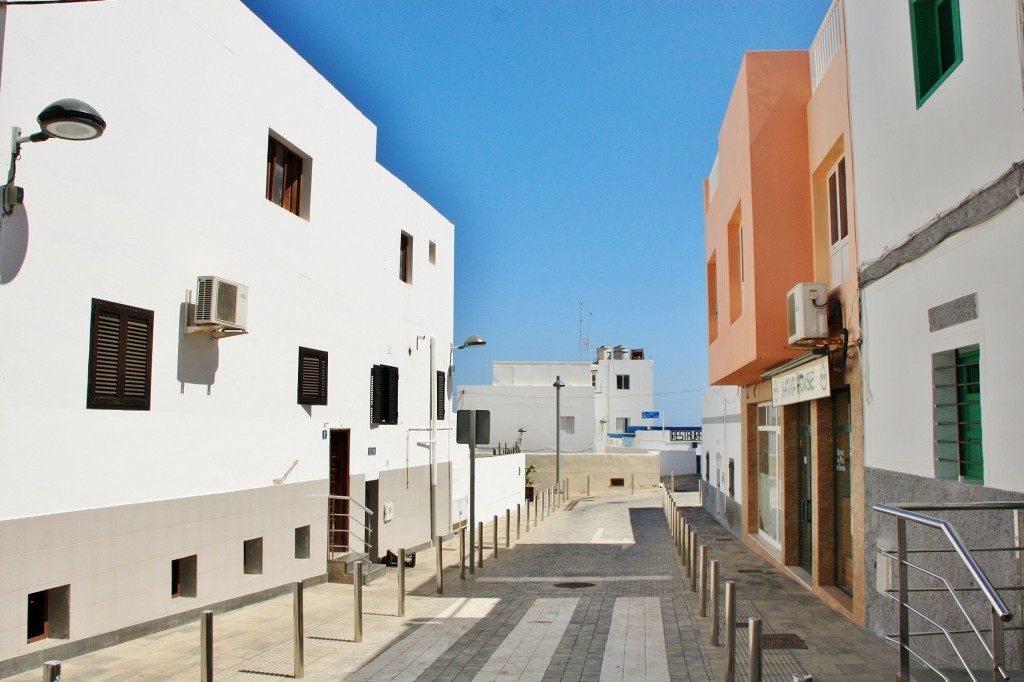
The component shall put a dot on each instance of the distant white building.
(599, 402)
(149, 471)
(722, 469)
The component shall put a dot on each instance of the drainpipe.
(431, 386)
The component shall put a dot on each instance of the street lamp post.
(472, 341)
(558, 385)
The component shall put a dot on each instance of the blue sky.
(568, 141)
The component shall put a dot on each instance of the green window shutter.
(935, 36)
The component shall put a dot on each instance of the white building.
(599, 402)
(150, 472)
(722, 424)
(937, 109)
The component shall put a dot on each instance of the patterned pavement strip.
(604, 552)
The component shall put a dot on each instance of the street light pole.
(472, 341)
(558, 385)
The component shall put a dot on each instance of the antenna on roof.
(585, 341)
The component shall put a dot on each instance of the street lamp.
(472, 341)
(558, 385)
(67, 119)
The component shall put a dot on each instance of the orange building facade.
(779, 213)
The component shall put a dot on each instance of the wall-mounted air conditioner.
(220, 302)
(806, 312)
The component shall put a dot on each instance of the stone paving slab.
(595, 581)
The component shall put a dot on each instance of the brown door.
(339, 486)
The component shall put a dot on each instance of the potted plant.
(531, 486)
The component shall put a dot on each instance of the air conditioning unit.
(806, 312)
(220, 302)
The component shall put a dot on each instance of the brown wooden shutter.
(120, 357)
(441, 394)
(392, 395)
(376, 394)
(312, 384)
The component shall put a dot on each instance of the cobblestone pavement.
(595, 591)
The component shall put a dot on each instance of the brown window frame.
(285, 170)
(405, 248)
(312, 383)
(121, 392)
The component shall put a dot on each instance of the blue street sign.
(652, 414)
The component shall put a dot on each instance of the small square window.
(285, 172)
(621, 424)
(183, 577)
(48, 614)
(622, 382)
(252, 556)
(302, 542)
(405, 258)
(568, 425)
(312, 387)
(432, 253)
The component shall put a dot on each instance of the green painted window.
(957, 392)
(935, 31)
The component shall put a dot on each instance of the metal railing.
(966, 640)
(340, 531)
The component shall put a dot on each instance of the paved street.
(595, 591)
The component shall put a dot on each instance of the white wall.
(910, 163)
(500, 485)
(897, 368)
(721, 411)
(175, 188)
(522, 396)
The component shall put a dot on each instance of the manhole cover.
(574, 585)
(784, 640)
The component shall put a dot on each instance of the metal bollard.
(519, 521)
(702, 560)
(693, 561)
(480, 549)
(686, 548)
(298, 639)
(543, 499)
(730, 631)
(673, 479)
(527, 516)
(754, 671)
(357, 612)
(439, 566)
(536, 510)
(508, 528)
(714, 602)
(632, 483)
(51, 669)
(495, 555)
(462, 553)
(588, 485)
(681, 532)
(401, 579)
(205, 650)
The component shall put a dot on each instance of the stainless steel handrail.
(972, 567)
(351, 499)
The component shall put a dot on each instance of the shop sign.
(806, 382)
